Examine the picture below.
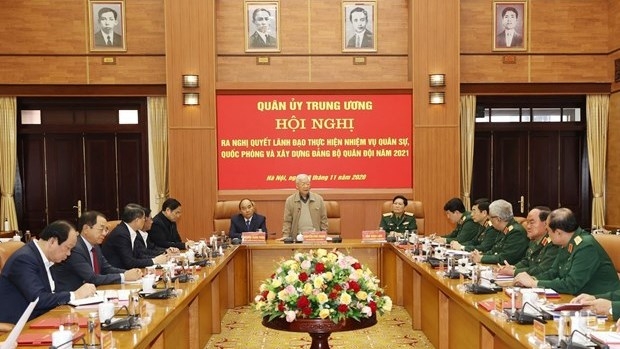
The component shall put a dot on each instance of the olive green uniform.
(484, 240)
(391, 222)
(466, 229)
(582, 266)
(539, 256)
(510, 245)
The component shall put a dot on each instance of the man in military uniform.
(398, 220)
(466, 229)
(541, 252)
(512, 241)
(486, 236)
(582, 265)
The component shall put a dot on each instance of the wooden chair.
(112, 224)
(611, 245)
(414, 207)
(333, 217)
(222, 213)
(7, 249)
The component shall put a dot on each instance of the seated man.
(303, 210)
(541, 252)
(87, 264)
(512, 241)
(582, 265)
(26, 275)
(466, 229)
(246, 220)
(118, 246)
(164, 232)
(398, 220)
(143, 247)
(486, 236)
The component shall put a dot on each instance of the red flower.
(264, 294)
(303, 277)
(373, 306)
(379, 294)
(357, 265)
(319, 267)
(303, 302)
(337, 287)
(282, 308)
(333, 294)
(343, 308)
(354, 286)
(306, 311)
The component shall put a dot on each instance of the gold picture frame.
(510, 26)
(359, 26)
(106, 25)
(262, 26)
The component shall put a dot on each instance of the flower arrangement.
(321, 285)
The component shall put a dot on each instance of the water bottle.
(564, 326)
(91, 337)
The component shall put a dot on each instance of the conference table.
(438, 306)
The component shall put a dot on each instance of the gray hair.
(302, 177)
(502, 209)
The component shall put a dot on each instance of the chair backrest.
(611, 245)
(112, 224)
(333, 217)
(522, 221)
(414, 207)
(221, 214)
(7, 249)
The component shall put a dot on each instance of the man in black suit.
(262, 37)
(26, 275)
(164, 231)
(118, 246)
(246, 220)
(86, 262)
(143, 247)
(509, 37)
(106, 36)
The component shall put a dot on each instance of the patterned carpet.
(242, 329)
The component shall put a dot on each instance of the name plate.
(253, 237)
(315, 236)
(373, 236)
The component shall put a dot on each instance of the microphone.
(570, 344)
(524, 318)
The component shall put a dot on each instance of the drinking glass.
(70, 322)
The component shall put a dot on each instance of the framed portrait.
(262, 26)
(359, 26)
(510, 26)
(106, 25)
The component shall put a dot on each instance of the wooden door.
(533, 167)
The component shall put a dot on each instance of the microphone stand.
(62, 345)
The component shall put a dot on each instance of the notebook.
(11, 340)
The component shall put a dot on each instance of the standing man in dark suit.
(509, 37)
(106, 36)
(262, 37)
(87, 264)
(164, 232)
(363, 37)
(118, 246)
(246, 220)
(26, 274)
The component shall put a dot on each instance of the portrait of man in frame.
(509, 26)
(262, 26)
(359, 26)
(107, 25)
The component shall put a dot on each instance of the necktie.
(95, 260)
(358, 43)
(247, 225)
(109, 41)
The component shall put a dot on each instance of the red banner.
(341, 141)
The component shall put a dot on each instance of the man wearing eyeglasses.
(87, 264)
(512, 241)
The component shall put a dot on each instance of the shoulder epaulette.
(387, 214)
(578, 240)
(510, 228)
(464, 218)
(409, 213)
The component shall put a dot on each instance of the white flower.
(290, 315)
(275, 283)
(318, 282)
(345, 298)
(329, 276)
(305, 265)
(308, 289)
(332, 257)
(258, 298)
(271, 296)
(367, 311)
(322, 298)
(387, 306)
(291, 277)
(321, 252)
(323, 313)
(361, 295)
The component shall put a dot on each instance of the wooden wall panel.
(568, 69)
(377, 68)
(128, 70)
(42, 70)
(613, 162)
(287, 69)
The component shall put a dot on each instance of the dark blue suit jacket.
(23, 279)
(77, 269)
(118, 251)
(237, 225)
